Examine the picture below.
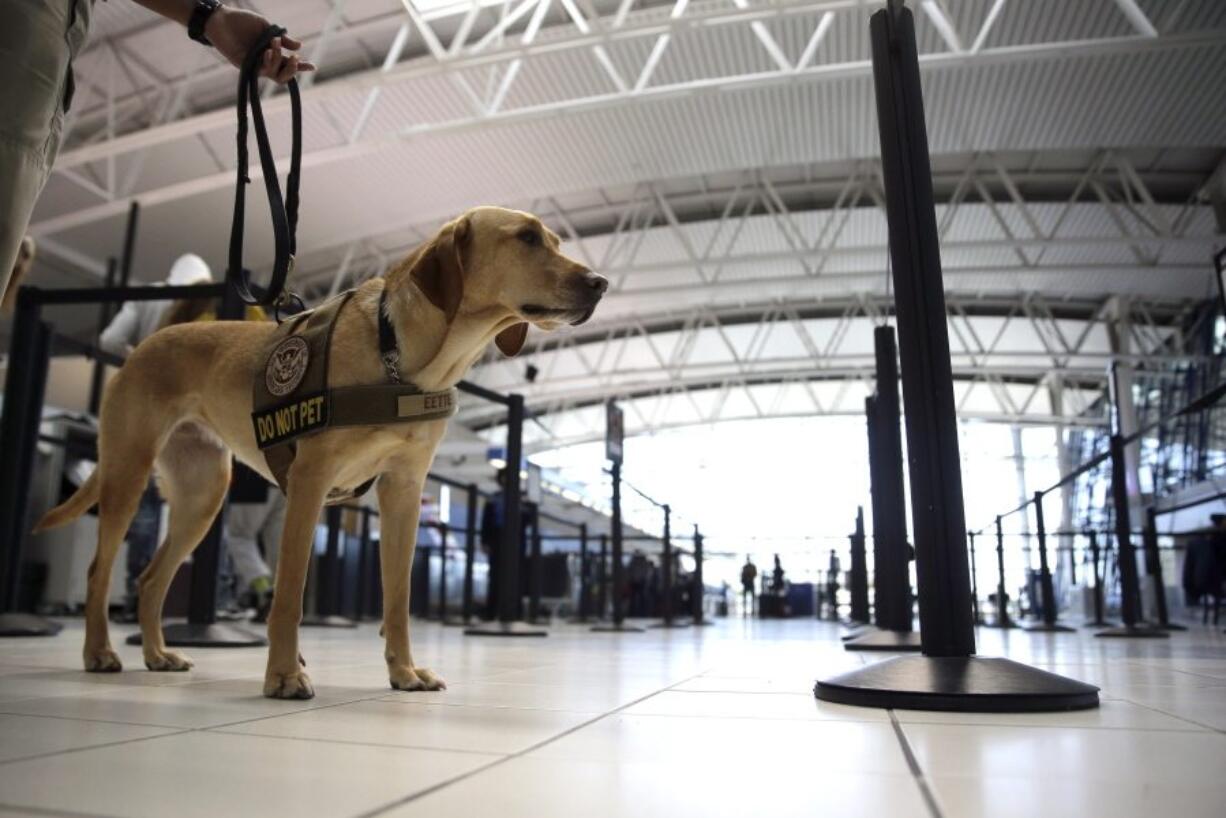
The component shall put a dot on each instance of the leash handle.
(284, 212)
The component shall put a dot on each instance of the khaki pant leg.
(38, 40)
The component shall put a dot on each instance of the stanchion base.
(456, 623)
(1171, 626)
(216, 635)
(855, 630)
(959, 684)
(701, 623)
(329, 621)
(1002, 624)
(885, 641)
(505, 629)
(674, 624)
(24, 624)
(613, 627)
(1100, 624)
(1043, 627)
(1133, 632)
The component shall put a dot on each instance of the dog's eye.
(529, 237)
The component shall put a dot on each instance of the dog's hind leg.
(193, 474)
(120, 490)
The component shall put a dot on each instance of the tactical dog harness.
(291, 398)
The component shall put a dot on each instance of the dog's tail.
(80, 502)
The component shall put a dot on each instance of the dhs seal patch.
(286, 366)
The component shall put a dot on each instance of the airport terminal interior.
(600, 408)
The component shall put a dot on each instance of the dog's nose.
(597, 282)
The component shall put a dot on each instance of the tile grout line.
(56, 813)
(1208, 727)
(916, 772)
(372, 813)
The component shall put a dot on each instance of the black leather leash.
(284, 212)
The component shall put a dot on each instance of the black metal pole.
(24, 389)
(443, 531)
(535, 579)
(1126, 558)
(618, 625)
(510, 552)
(698, 594)
(1047, 589)
(363, 601)
(470, 553)
(859, 572)
(666, 574)
(602, 601)
(974, 581)
(1153, 567)
(584, 584)
(105, 313)
(946, 676)
(1099, 618)
(1002, 595)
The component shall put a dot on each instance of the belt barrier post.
(1047, 589)
(584, 585)
(510, 553)
(24, 389)
(618, 624)
(974, 581)
(697, 603)
(535, 578)
(1096, 568)
(666, 574)
(328, 582)
(1003, 620)
(1153, 567)
(947, 676)
(470, 552)
(602, 601)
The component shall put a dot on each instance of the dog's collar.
(389, 351)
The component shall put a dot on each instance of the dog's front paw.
(408, 678)
(102, 660)
(167, 661)
(293, 685)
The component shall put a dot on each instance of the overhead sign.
(615, 432)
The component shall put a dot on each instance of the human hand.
(233, 32)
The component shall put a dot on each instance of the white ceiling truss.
(709, 366)
(617, 54)
(717, 159)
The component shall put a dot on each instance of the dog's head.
(492, 263)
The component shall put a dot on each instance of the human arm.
(233, 32)
(121, 334)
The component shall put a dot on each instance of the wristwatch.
(200, 15)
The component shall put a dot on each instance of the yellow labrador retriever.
(183, 401)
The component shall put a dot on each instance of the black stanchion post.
(1153, 567)
(698, 594)
(509, 550)
(602, 601)
(1003, 619)
(363, 601)
(613, 446)
(328, 581)
(859, 572)
(666, 574)
(443, 531)
(947, 676)
(1047, 589)
(891, 562)
(24, 389)
(1126, 558)
(1095, 567)
(535, 578)
(106, 312)
(470, 552)
(584, 579)
(974, 580)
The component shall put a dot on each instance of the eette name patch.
(290, 420)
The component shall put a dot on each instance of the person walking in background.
(749, 576)
(39, 39)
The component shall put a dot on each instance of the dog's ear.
(439, 270)
(511, 340)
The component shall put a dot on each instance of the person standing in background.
(39, 39)
(749, 575)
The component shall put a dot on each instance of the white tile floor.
(705, 722)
